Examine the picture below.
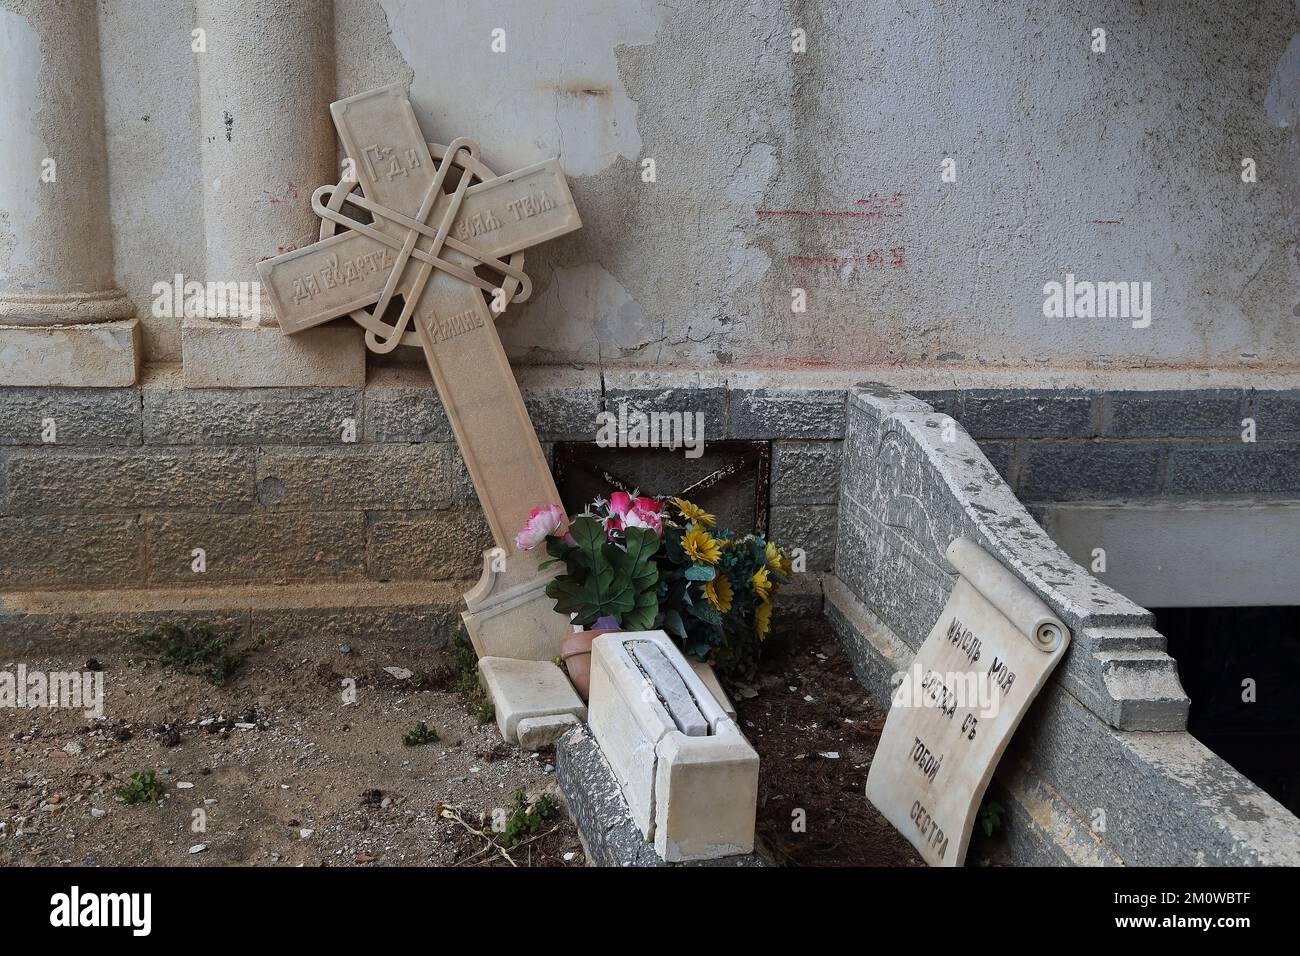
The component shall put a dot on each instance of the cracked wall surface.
(818, 170)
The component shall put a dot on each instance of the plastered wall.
(818, 170)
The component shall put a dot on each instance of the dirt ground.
(285, 772)
(815, 732)
(277, 768)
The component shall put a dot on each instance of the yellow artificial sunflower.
(762, 619)
(693, 512)
(700, 546)
(776, 559)
(762, 585)
(719, 593)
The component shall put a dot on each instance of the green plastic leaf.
(701, 572)
(706, 612)
(673, 624)
(589, 539)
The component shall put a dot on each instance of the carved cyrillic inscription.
(341, 273)
(533, 204)
(476, 225)
(928, 830)
(926, 760)
(387, 162)
(455, 325)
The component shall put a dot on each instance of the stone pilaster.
(63, 319)
(266, 79)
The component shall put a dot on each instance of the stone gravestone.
(982, 665)
(427, 244)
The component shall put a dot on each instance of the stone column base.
(93, 355)
(222, 354)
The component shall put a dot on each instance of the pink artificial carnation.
(542, 522)
(624, 512)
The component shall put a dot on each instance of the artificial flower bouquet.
(635, 563)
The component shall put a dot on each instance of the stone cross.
(435, 228)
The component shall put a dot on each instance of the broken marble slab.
(534, 733)
(522, 689)
(671, 688)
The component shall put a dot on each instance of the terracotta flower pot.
(575, 649)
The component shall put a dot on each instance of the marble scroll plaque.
(954, 712)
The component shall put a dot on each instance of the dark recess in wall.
(1219, 648)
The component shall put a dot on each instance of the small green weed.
(529, 819)
(145, 787)
(467, 679)
(192, 649)
(419, 735)
(990, 817)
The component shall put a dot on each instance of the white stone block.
(94, 355)
(225, 355)
(706, 795)
(693, 796)
(534, 733)
(521, 689)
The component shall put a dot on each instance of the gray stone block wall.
(265, 482)
(298, 491)
(290, 493)
(1079, 445)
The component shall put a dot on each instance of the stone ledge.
(96, 355)
(595, 803)
(225, 355)
(908, 488)
(408, 611)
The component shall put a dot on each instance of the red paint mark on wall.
(816, 213)
(288, 194)
(886, 207)
(895, 258)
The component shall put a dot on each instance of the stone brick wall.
(262, 480)
(1078, 444)
(387, 526)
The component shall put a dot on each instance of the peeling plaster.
(554, 91)
(1122, 167)
(583, 311)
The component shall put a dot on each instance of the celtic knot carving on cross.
(329, 201)
(420, 229)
